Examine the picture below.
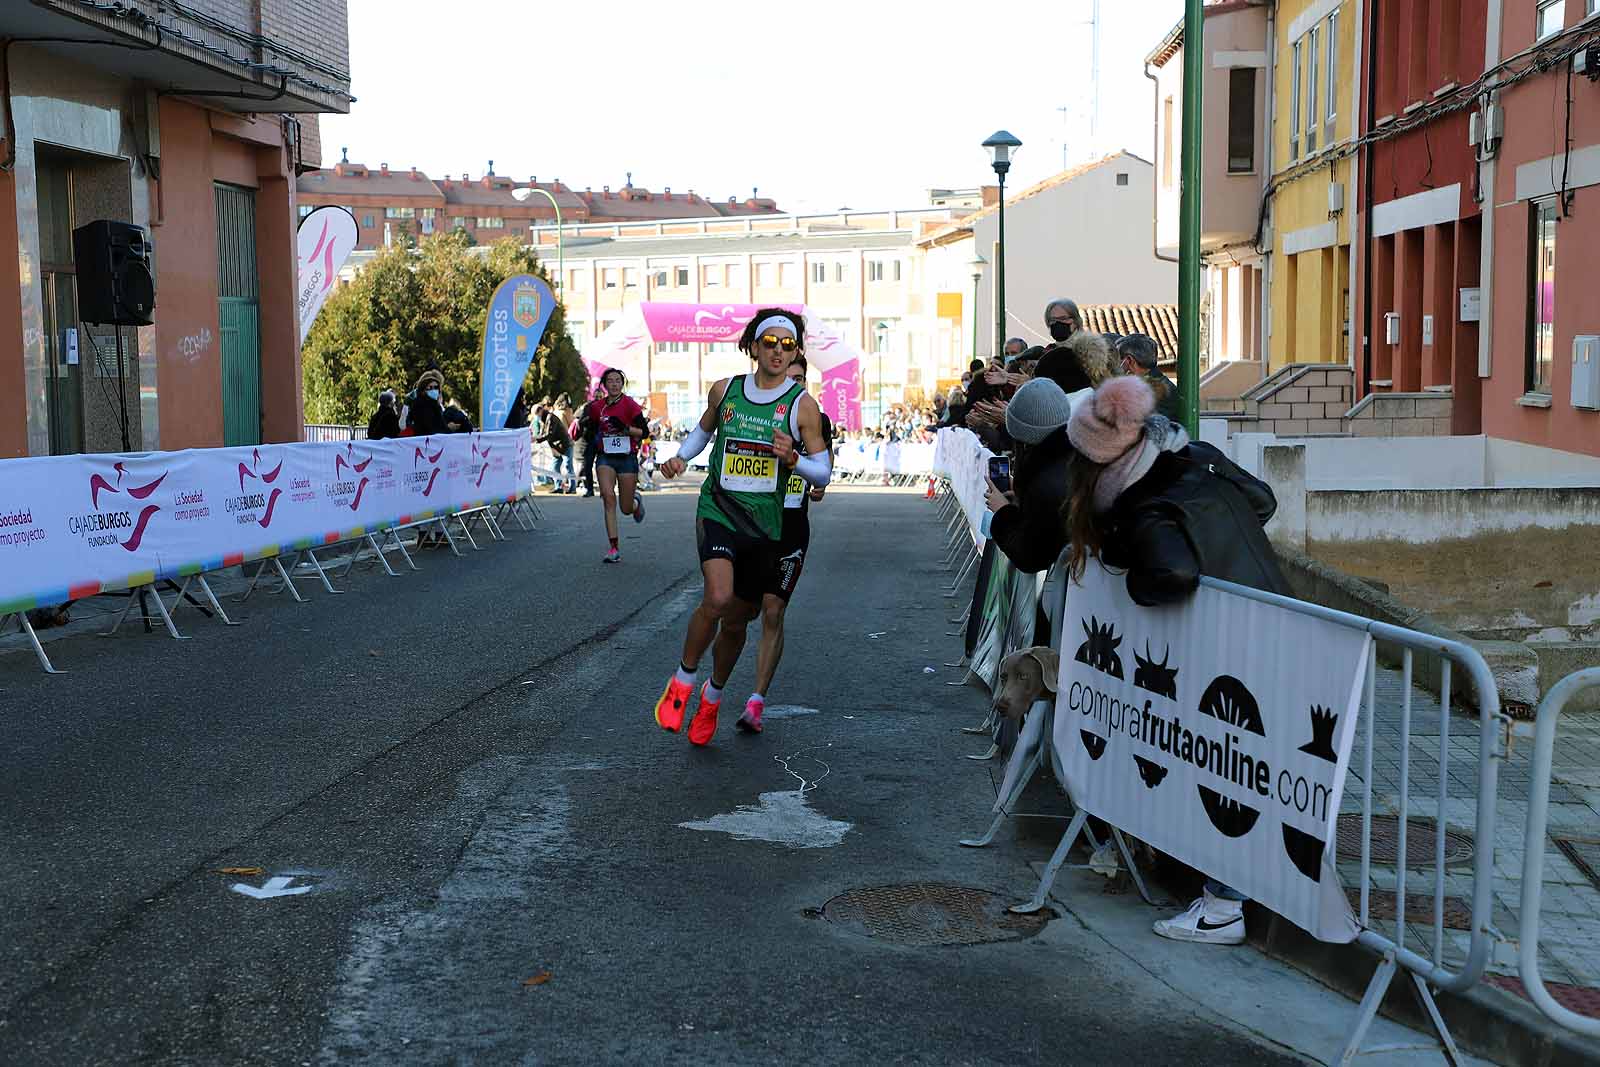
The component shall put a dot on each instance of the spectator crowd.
(1093, 464)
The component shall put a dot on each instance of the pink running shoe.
(750, 721)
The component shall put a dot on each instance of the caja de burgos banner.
(518, 314)
(626, 342)
(74, 526)
(1218, 731)
(326, 237)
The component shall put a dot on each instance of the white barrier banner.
(74, 526)
(1218, 731)
(961, 457)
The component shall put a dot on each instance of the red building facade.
(388, 203)
(1419, 220)
(1479, 213)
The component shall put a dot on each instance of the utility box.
(1586, 372)
(1391, 327)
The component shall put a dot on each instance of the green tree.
(412, 307)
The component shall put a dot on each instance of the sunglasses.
(788, 344)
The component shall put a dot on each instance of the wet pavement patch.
(923, 913)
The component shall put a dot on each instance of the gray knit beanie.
(1038, 408)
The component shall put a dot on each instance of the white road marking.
(275, 887)
(786, 711)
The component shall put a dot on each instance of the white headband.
(781, 321)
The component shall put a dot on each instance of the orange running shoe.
(669, 709)
(704, 724)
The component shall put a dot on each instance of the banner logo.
(525, 306)
(255, 504)
(346, 486)
(100, 528)
(424, 479)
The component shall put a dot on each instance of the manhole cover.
(1584, 854)
(1419, 907)
(1421, 842)
(925, 914)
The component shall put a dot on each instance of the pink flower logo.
(98, 484)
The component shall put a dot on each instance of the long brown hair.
(1084, 533)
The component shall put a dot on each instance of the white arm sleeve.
(694, 444)
(815, 470)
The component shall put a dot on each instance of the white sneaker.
(1209, 920)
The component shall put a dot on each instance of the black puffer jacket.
(1030, 532)
(1194, 513)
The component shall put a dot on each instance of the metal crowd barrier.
(327, 431)
(1544, 741)
(1425, 964)
(1418, 943)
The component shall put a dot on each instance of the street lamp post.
(880, 341)
(522, 196)
(977, 265)
(1002, 146)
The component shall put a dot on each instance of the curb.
(1485, 1021)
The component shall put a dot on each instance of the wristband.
(694, 444)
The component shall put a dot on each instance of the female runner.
(621, 426)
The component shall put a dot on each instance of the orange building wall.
(184, 230)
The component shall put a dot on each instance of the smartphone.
(1000, 473)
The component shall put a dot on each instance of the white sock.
(683, 677)
(711, 693)
(759, 700)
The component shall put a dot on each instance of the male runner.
(781, 582)
(752, 422)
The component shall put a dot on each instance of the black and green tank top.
(746, 485)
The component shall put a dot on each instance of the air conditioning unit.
(1586, 372)
(1336, 198)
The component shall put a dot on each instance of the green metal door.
(239, 314)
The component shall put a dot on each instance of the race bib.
(749, 467)
(795, 492)
(616, 446)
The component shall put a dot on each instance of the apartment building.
(858, 271)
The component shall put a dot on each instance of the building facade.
(1073, 235)
(1233, 167)
(1544, 214)
(1419, 211)
(388, 204)
(1314, 107)
(860, 272)
(137, 112)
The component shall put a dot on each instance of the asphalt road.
(462, 766)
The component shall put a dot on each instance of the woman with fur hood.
(1144, 499)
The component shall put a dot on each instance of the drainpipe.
(1155, 184)
(1269, 120)
(1367, 190)
(1491, 57)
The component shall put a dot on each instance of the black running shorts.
(789, 557)
(751, 557)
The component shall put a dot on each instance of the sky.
(820, 105)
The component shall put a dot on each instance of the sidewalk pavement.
(1569, 943)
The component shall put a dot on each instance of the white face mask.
(433, 394)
